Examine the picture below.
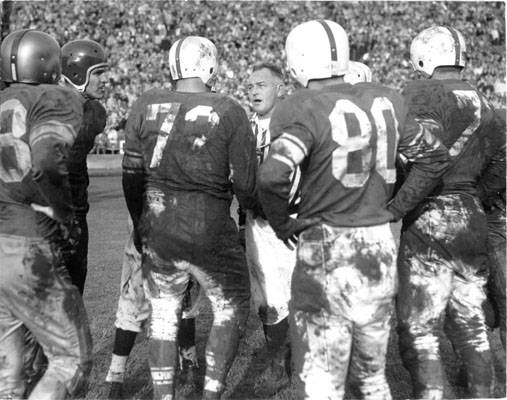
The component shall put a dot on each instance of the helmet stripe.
(14, 54)
(457, 46)
(330, 36)
(177, 57)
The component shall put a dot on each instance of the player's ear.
(279, 90)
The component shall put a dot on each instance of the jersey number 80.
(352, 130)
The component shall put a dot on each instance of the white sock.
(117, 369)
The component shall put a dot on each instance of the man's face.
(263, 90)
(97, 84)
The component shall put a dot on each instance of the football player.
(83, 69)
(187, 151)
(132, 313)
(492, 190)
(270, 262)
(83, 64)
(344, 138)
(443, 253)
(39, 123)
(358, 72)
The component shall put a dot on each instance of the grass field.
(108, 233)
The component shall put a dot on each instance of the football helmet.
(30, 56)
(193, 57)
(437, 46)
(358, 72)
(79, 59)
(317, 49)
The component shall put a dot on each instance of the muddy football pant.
(443, 271)
(496, 282)
(76, 262)
(343, 291)
(133, 307)
(229, 296)
(35, 294)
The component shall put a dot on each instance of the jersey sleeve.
(133, 168)
(292, 143)
(55, 120)
(428, 157)
(133, 155)
(242, 155)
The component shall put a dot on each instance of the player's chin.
(98, 94)
(258, 107)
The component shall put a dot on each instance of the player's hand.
(293, 227)
(71, 235)
(72, 232)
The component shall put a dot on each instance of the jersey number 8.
(352, 130)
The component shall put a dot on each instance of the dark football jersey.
(345, 139)
(492, 179)
(192, 142)
(470, 129)
(94, 122)
(38, 124)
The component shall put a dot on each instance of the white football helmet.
(193, 57)
(358, 72)
(317, 49)
(437, 46)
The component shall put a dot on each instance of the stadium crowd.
(137, 37)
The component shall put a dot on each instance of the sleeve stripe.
(133, 154)
(56, 129)
(286, 160)
(296, 141)
(132, 170)
(289, 149)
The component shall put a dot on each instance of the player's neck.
(191, 85)
(266, 115)
(316, 84)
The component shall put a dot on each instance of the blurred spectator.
(138, 34)
(100, 144)
(112, 139)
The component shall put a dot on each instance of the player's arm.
(286, 153)
(242, 157)
(133, 177)
(57, 121)
(492, 180)
(429, 160)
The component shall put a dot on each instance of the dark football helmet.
(79, 59)
(30, 56)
